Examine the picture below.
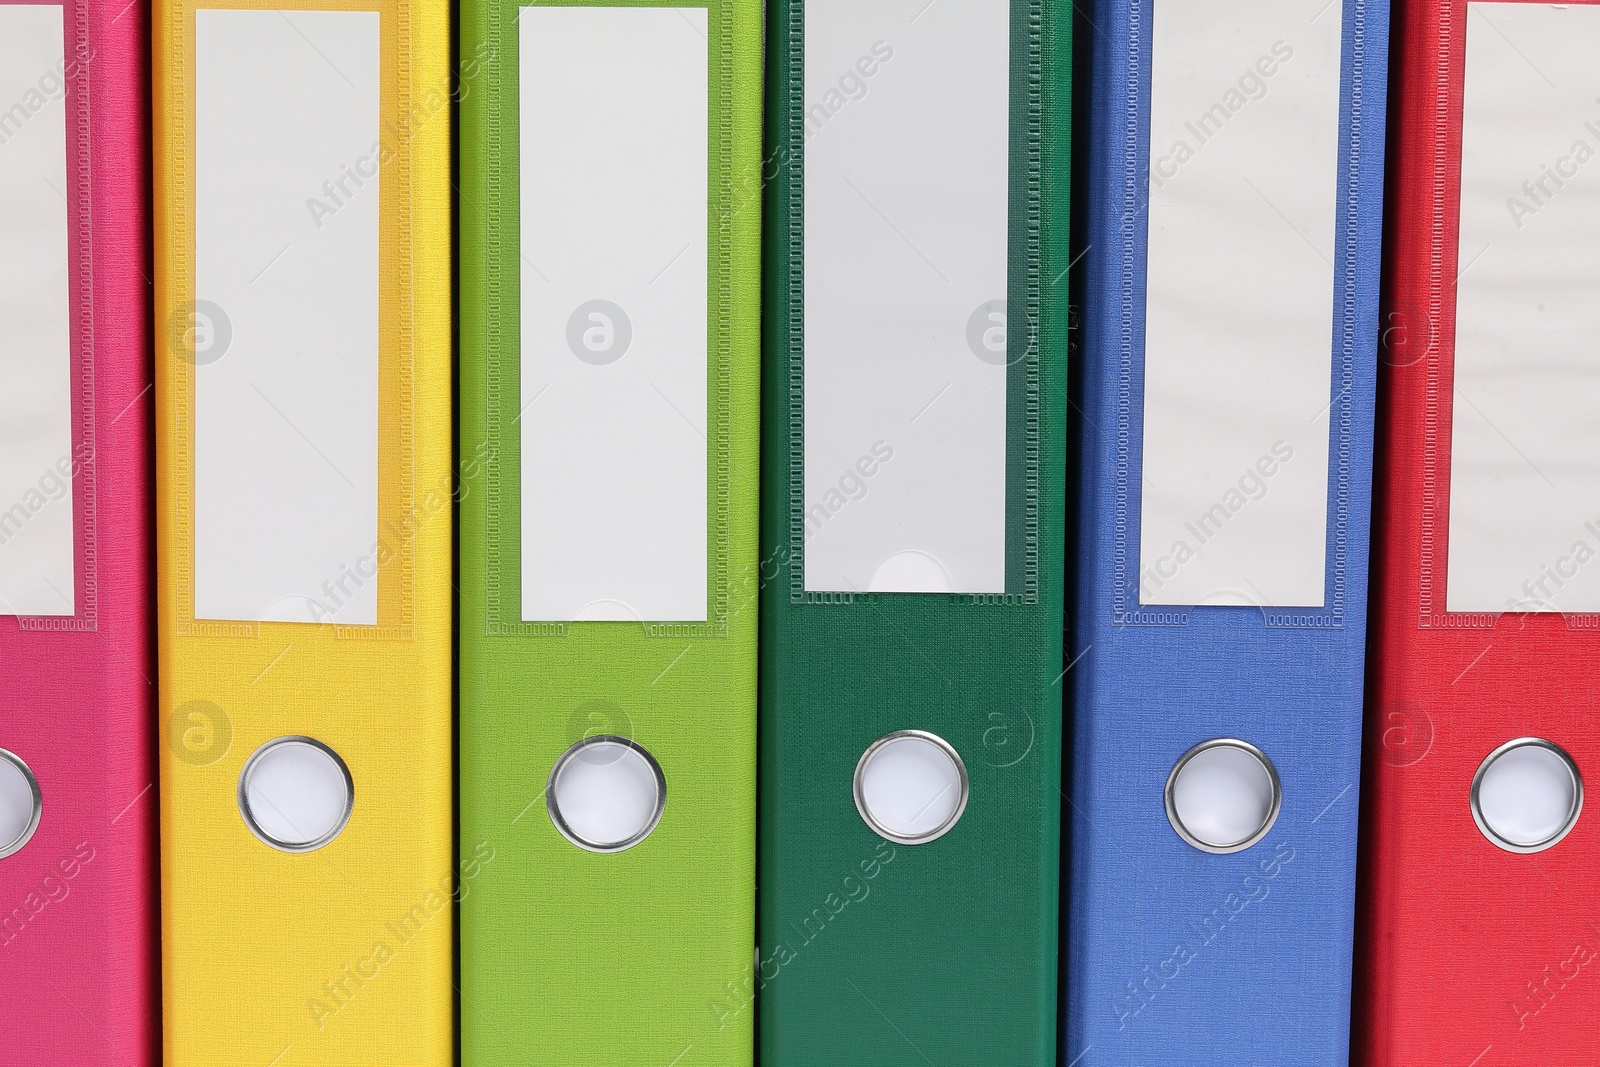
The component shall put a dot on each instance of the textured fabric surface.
(78, 902)
(568, 956)
(1469, 954)
(341, 957)
(1179, 957)
(944, 952)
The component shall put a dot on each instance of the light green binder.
(609, 220)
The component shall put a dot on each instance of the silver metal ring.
(1274, 807)
(11, 848)
(1577, 795)
(565, 828)
(882, 830)
(250, 817)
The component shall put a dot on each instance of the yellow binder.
(305, 521)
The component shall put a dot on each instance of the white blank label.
(36, 462)
(906, 184)
(614, 114)
(1244, 146)
(286, 323)
(1525, 436)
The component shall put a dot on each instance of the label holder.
(1436, 322)
(502, 483)
(399, 502)
(1025, 286)
(80, 267)
(1128, 431)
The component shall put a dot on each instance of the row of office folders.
(390, 711)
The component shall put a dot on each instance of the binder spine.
(77, 901)
(1449, 687)
(857, 929)
(630, 950)
(329, 948)
(1169, 946)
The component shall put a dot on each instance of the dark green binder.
(917, 153)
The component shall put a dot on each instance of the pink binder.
(78, 938)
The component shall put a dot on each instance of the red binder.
(1475, 954)
(78, 936)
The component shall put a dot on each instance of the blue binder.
(1224, 638)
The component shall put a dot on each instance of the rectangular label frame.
(730, 193)
(1127, 432)
(1431, 327)
(402, 506)
(1025, 291)
(77, 58)
(1486, 519)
